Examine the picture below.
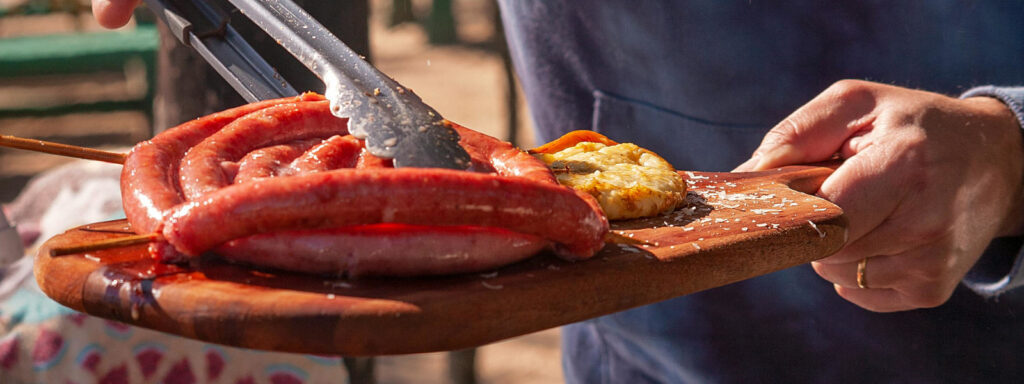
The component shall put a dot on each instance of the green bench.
(81, 53)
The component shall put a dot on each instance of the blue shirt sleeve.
(1000, 267)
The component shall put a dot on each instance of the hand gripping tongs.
(392, 120)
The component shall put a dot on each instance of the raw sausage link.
(424, 196)
(384, 250)
(201, 171)
(271, 161)
(333, 153)
(502, 157)
(149, 178)
(368, 160)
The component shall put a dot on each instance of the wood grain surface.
(735, 226)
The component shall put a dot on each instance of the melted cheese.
(628, 181)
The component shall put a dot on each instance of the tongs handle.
(205, 28)
(310, 42)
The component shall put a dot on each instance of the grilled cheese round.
(628, 181)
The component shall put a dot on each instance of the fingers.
(879, 272)
(923, 278)
(876, 300)
(869, 190)
(882, 279)
(892, 236)
(113, 13)
(818, 130)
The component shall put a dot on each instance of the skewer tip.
(125, 241)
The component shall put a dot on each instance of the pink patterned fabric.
(69, 347)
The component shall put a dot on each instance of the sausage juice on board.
(281, 184)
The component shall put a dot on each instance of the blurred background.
(64, 78)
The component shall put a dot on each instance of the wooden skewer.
(61, 149)
(106, 244)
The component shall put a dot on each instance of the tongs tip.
(435, 145)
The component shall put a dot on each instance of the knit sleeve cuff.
(1013, 97)
(1001, 267)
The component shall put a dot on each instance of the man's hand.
(926, 183)
(113, 13)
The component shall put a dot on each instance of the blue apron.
(700, 83)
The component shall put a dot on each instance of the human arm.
(927, 182)
(113, 13)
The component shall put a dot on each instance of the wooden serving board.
(735, 227)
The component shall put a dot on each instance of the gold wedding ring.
(862, 274)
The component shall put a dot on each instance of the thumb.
(113, 13)
(816, 131)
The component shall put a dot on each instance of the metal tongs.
(392, 120)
